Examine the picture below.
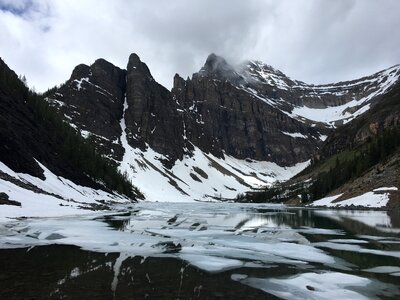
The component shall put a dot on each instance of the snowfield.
(198, 177)
(61, 196)
(376, 199)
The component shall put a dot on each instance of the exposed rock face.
(246, 111)
(220, 117)
(4, 200)
(152, 118)
(92, 100)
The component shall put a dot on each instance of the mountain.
(226, 130)
(359, 164)
(369, 146)
(42, 157)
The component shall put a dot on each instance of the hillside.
(361, 157)
(42, 155)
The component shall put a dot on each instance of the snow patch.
(199, 176)
(295, 135)
(369, 199)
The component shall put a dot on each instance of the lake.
(203, 251)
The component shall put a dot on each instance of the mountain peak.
(80, 71)
(217, 67)
(134, 59)
(104, 64)
(215, 63)
(136, 64)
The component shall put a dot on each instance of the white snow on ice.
(327, 285)
(215, 237)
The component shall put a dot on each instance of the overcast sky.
(315, 41)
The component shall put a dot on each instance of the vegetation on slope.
(350, 152)
(70, 148)
(79, 152)
(333, 172)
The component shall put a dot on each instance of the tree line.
(79, 152)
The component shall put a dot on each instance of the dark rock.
(3, 196)
(55, 236)
(194, 177)
(222, 118)
(172, 220)
(92, 100)
(152, 117)
(4, 200)
(242, 111)
(168, 247)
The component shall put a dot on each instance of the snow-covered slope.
(202, 176)
(376, 198)
(198, 176)
(54, 196)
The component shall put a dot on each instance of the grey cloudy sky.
(317, 41)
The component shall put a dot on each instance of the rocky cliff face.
(152, 118)
(247, 113)
(92, 101)
(221, 116)
(28, 136)
(46, 168)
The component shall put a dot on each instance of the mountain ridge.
(252, 112)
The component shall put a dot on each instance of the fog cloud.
(311, 40)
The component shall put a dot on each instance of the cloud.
(310, 40)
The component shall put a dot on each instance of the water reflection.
(199, 245)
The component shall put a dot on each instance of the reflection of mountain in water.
(190, 250)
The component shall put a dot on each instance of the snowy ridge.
(358, 92)
(257, 70)
(62, 197)
(295, 135)
(385, 80)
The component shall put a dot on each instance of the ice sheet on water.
(383, 269)
(348, 241)
(237, 232)
(212, 237)
(211, 263)
(356, 248)
(323, 231)
(328, 285)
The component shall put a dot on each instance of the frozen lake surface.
(203, 250)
